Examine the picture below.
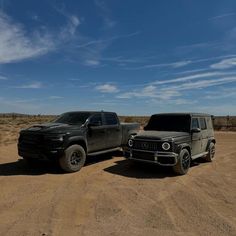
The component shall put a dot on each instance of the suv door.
(96, 134)
(196, 137)
(204, 132)
(114, 132)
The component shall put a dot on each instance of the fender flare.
(210, 140)
(182, 146)
(77, 140)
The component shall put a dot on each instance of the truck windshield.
(73, 118)
(179, 123)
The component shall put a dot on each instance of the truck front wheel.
(73, 159)
(183, 164)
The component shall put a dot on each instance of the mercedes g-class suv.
(174, 140)
(73, 136)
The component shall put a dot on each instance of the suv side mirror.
(195, 130)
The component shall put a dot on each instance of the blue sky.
(132, 57)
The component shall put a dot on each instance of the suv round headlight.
(166, 146)
(130, 143)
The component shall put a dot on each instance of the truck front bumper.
(160, 158)
(40, 152)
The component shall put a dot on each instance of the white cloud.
(105, 14)
(33, 85)
(91, 62)
(90, 51)
(222, 16)
(225, 64)
(17, 44)
(176, 64)
(202, 84)
(193, 77)
(150, 91)
(55, 97)
(170, 92)
(70, 29)
(107, 88)
(3, 77)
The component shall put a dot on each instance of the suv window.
(96, 119)
(203, 123)
(209, 122)
(195, 123)
(110, 119)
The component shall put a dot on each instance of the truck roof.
(90, 112)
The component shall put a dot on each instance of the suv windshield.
(179, 123)
(73, 118)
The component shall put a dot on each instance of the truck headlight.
(165, 146)
(55, 138)
(130, 143)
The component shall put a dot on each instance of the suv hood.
(160, 135)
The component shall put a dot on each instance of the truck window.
(195, 123)
(96, 119)
(203, 123)
(110, 119)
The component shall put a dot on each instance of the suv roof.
(184, 113)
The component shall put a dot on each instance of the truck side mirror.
(195, 130)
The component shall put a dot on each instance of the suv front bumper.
(160, 158)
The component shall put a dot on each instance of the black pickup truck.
(73, 136)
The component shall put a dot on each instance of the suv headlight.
(165, 146)
(130, 142)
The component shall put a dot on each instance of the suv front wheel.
(211, 152)
(183, 164)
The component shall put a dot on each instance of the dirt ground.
(111, 197)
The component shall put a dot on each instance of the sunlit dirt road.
(111, 197)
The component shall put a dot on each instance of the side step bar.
(104, 151)
(199, 155)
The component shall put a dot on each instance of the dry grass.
(10, 126)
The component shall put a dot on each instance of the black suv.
(174, 140)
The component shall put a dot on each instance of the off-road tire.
(211, 152)
(183, 164)
(73, 159)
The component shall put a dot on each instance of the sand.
(109, 196)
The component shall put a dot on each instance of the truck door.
(96, 134)
(196, 137)
(204, 133)
(113, 129)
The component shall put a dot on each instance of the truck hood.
(52, 128)
(160, 135)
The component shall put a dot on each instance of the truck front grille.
(31, 139)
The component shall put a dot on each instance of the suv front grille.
(147, 145)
